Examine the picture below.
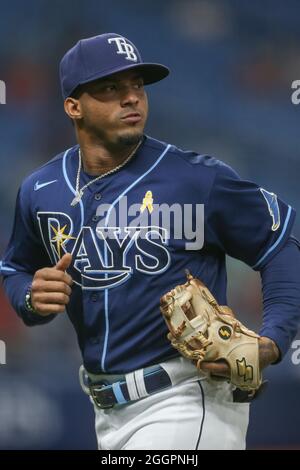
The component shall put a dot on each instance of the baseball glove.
(202, 330)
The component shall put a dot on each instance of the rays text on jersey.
(107, 256)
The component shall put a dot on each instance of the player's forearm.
(281, 296)
(16, 286)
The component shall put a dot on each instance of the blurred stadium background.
(229, 94)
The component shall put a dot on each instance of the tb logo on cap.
(124, 48)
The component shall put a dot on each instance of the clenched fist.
(51, 288)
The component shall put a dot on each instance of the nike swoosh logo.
(38, 186)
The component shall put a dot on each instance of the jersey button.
(94, 297)
(97, 196)
(95, 218)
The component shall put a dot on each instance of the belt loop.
(140, 383)
(132, 390)
(83, 379)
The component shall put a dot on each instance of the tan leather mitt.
(202, 330)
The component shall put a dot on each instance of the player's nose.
(129, 96)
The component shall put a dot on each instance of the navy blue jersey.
(126, 255)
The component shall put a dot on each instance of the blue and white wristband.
(28, 304)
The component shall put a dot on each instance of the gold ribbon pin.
(147, 202)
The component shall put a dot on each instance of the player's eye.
(110, 88)
(138, 84)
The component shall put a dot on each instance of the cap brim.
(151, 73)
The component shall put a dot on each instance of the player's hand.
(268, 354)
(51, 288)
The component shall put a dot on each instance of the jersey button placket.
(97, 197)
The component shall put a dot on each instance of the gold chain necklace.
(79, 192)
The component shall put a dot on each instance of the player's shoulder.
(198, 161)
(51, 170)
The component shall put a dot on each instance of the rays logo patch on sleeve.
(271, 200)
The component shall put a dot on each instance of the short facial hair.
(130, 139)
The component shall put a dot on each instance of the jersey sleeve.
(244, 220)
(23, 257)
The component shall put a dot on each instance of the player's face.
(115, 109)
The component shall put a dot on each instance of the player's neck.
(98, 159)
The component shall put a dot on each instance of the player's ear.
(73, 108)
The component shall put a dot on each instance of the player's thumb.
(64, 262)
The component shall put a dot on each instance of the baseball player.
(90, 239)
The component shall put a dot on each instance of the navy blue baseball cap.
(101, 56)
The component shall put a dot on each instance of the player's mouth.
(132, 118)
